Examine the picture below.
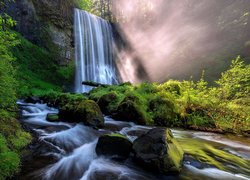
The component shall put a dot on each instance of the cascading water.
(67, 151)
(94, 57)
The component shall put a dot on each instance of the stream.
(63, 150)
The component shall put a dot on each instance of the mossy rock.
(164, 112)
(58, 99)
(128, 110)
(114, 145)
(158, 151)
(107, 102)
(52, 117)
(87, 112)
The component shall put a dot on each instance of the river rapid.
(63, 150)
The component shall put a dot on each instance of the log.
(94, 84)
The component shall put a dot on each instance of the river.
(63, 150)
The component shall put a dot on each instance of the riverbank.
(180, 104)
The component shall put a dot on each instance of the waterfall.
(94, 57)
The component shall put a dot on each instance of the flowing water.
(94, 56)
(67, 151)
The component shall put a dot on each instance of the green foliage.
(189, 104)
(7, 73)
(163, 109)
(86, 5)
(37, 70)
(60, 99)
(12, 137)
(9, 164)
(235, 83)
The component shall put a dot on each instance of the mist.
(179, 38)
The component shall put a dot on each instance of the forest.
(124, 89)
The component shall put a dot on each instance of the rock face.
(115, 145)
(46, 23)
(158, 151)
(87, 112)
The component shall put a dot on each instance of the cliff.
(46, 23)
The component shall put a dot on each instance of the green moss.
(164, 111)
(117, 135)
(85, 111)
(108, 102)
(3, 144)
(208, 154)
(60, 99)
(173, 160)
(9, 164)
(20, 139)
(52, 117)
(38, 71)
(132, 108)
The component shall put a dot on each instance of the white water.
(76, 157)
(94, 57)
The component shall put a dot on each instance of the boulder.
(130, 109)
(114, 145)
(87, 112)
(164, 111)
(106, 100)
(158, 151)
(52, 117)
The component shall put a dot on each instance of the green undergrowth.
(188, 104)
(59, 99)
(37, 70)
(12, 137)
(12, 141)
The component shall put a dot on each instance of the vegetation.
(29, 70)
(37, 71)
(12, 138)
(210, 155)
(186, 104)
(86, 5)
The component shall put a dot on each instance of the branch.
(94, 84)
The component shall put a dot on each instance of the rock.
(105, 101)
(32, 99)
(115, 145)
(87, 112)
(164, 112)
(130, 110)
(158, 151)
(52, 117)
(46, 23)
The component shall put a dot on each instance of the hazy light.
(170, 37)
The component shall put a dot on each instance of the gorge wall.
(46, 23)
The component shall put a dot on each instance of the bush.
(235, 82)
(164, 111)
